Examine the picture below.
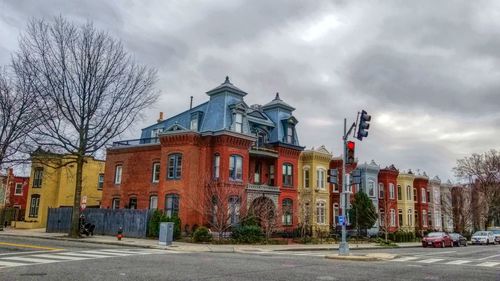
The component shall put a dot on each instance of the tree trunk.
(75, 217)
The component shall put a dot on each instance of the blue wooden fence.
(107, 221)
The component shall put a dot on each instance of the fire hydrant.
(119, 235)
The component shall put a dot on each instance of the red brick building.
(17, 192)
(388, 201)
(336, 190)
(254, 149)
(421, 198)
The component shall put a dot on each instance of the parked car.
(437, 239)
(483, 238)
(458, 240)
(496, 233)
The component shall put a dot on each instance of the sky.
(427, 72)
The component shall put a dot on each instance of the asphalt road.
(81, 261)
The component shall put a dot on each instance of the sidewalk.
(188, 247)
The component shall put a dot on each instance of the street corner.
(367, 257)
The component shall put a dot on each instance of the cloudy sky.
(427, 71)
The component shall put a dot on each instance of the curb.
(362, 258)
(350, 248)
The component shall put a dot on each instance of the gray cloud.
(427, 71)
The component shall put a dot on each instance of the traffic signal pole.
(344, 246)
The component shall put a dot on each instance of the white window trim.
(320, 178)
(392, 191)
(321, 205)
(304, 169)
(15, 189)
(118, 174)
(155, 165)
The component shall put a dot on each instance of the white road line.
(78, 254)
(458, 262)
(430, 260)
(30, 259)
(488, 264)
(107, 253)
(437, 253)
(10, 264)
(28, 252)
(406, 259)
(48, 256)
(142, 252)
(488, 257)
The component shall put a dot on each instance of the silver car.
(483, 238)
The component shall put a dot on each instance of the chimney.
(161, 117)
(191, 103)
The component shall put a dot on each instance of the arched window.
(424, 218)
(234, 210)
(381, 190)
(382, 217)
(118, 174)
(155, 177)
(371, 188)
(408, 193)
(216, 166)
(307, 178)
(391, 191)
(132, 203)
(320, 212)
(153, 202)
(400, 217)
(236, 167)
(424, 195)
(115, 203)
(320, 178)
(287, 209)
(400, 195)
(415, 193)
(410, 217)
(288, 174)
(172, 205)
(336, 213)
(393, 217)
(174, 166)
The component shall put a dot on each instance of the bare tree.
(88, 89)
(385, 219)
(17, 117)
(305, 219)
(462, 211)
(483, 171)
(268, 216)
(221, 204)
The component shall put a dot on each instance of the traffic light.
(333, 176)
(363, 125)
(350, 152)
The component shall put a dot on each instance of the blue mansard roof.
(275, 119)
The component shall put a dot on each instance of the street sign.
(341, 220)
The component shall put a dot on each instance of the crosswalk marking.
(10, 264)
(22, 259)
(79, 254)
(489, 264)
(49, 256)
(405, 259)
(30, 259)
(430, 260)
(458, 262)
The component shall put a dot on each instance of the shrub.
(201, 234)
(247, 234)
(158, 217)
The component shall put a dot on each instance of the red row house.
(254, 148)
(388, 200)
(17, 193)
(421, 198)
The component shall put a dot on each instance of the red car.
(437, 239)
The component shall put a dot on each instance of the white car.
(483, 238)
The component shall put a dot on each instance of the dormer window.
(289, 133)
(238, 123)
(194, 124)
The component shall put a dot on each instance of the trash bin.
(166, 233)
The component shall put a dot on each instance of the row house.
(16, 193)
(335, 191)
(420, 196)
(369, 185)
(446, 206)
(434, 191)
(53, 185)
(314, 191)
(406, 202)
(388, 200)
(254, 149)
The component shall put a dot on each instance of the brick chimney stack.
(161, 117)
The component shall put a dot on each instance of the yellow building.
(406, 202)
(53, 181)
(314, 193)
